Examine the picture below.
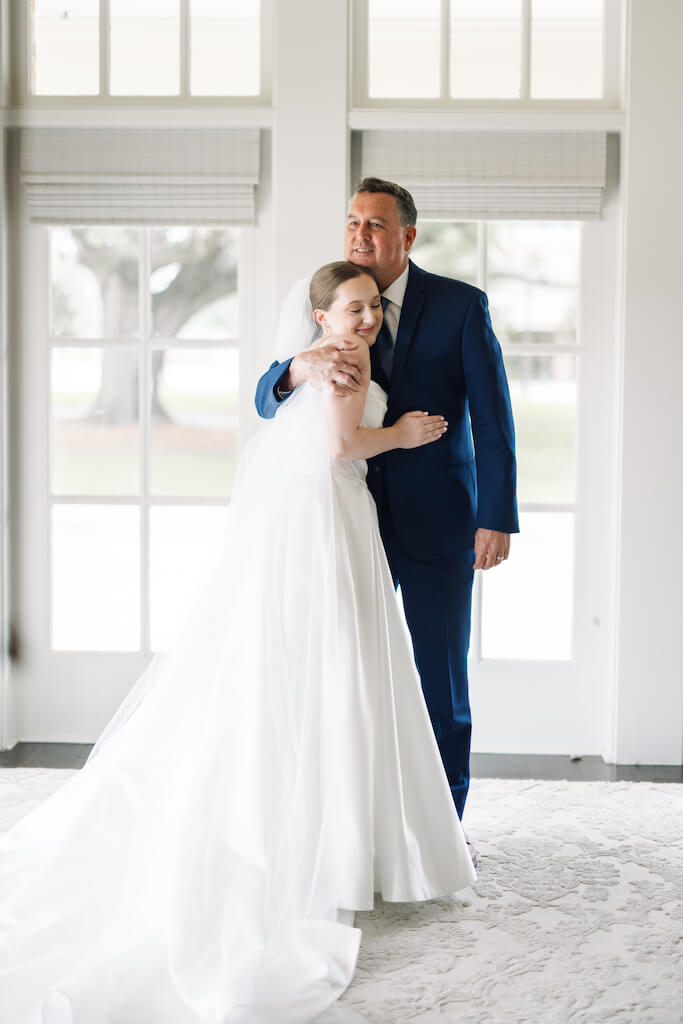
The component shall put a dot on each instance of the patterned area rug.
(577, 916)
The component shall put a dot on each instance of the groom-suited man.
(449, 507)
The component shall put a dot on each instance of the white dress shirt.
(395, 293)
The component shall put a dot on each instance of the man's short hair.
(407, 211)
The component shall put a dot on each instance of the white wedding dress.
(275, 765)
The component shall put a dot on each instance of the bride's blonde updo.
(326, 281)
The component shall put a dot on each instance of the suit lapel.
(376, 371)
(413, 302)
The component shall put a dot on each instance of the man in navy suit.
(446, 508)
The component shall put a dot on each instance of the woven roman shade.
(140, 176)
(493, 176)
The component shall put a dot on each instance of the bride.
(264, 777)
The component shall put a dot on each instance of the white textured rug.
(577, 917)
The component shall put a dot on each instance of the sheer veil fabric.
(275, 765)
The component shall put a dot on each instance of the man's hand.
(334, 364)
(491, 547)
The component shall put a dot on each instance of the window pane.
(225, 48)
(527, 601)
(486, 41)
(543, 392)
(94, 287)
(194, 282)
(194, 430)
(533, 279)
(145, 47)
(449, 249)
(566, 49)
(185, 544)
(95, 578)
(95, 422)
(404, 48)
(66, 49)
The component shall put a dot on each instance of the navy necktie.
(384, 352)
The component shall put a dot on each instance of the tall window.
(530, 270)
(144, 390)
(145, 48)
(480, 49)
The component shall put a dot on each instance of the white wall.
(647, 692)
(310, 136)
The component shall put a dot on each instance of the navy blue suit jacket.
(447, 360)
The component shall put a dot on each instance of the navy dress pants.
(437, 598)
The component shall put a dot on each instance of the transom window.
(145, 48)
(479, 50)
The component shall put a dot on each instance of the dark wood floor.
(484, 766)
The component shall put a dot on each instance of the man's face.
(375, 239)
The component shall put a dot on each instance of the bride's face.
(356, 309)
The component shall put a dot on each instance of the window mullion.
(184, 42)
(612, 86)
(445, 49)
(105, 48)
(144, 395)
(521, 348)
(558, 507)
(525, 76)
(482, 247)
(268, 12)
(477, 590)
(359, 54)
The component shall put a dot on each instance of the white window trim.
(611, 101)
(5, 603)
(22, 97)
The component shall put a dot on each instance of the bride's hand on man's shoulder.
(333, 363)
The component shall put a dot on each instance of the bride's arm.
(348, 440)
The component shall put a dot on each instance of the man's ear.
(411, 232)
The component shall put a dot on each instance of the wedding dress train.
(275, 765)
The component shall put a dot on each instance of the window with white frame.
(144, 425)
(465, 50)
(530, 270)
(117, 48)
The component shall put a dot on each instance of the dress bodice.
(373, 416)
(375, 406)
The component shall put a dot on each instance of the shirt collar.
(397, 289)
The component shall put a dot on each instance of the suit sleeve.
(493, 429)
(296, 330)
(266, 399)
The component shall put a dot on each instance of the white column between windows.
(648, 682)
(310, 136)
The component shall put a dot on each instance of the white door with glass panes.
(125, 342)
(129, 370)
(526, 659)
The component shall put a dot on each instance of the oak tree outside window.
(144, 425)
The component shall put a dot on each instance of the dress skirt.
(276, 764)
